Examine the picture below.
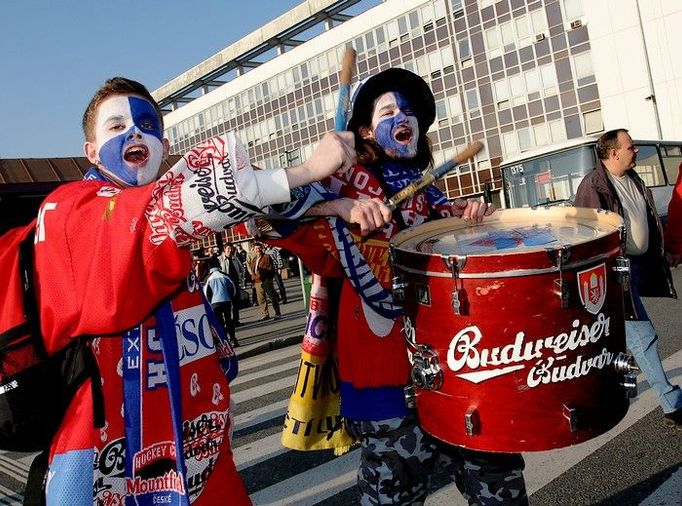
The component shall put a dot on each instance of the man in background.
(614, 186)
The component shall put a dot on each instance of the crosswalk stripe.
(668, 494)
(258, 451)
(264, 389)
(313, 486)
(260, 415)
(266, 358)
(244, 378)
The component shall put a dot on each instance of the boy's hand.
(368, 214)
(334, 154)
(472, 210)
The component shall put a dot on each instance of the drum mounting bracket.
(426, 372)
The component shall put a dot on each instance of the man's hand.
(472, 210)
(334, 154)
(369, 214)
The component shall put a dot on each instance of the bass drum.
(515, 326)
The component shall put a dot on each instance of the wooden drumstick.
(343, 103)
(434, 174)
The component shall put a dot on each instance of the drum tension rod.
(454, 264)
(559, 257)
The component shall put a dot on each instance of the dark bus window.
(649, 166)
(672, 157)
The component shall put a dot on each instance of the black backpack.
(35, 389)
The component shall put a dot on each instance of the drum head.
(510, 231)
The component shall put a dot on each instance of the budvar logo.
(592, 288)
(465, 350)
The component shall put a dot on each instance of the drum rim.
(614, 219)
(508, 273)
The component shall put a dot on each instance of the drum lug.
(472, 423)
(562, 291)
(622, 270)
(455, 264)
(559, 257)
(399, 287)
(410, 397)
(426, 372)
(626, 364)
(630, 385)
(571, 416)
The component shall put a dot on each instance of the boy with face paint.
(154, 424)
(391, 114)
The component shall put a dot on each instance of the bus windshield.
(547, 179)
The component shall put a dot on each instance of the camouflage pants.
(398, 458)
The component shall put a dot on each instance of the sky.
(55, 54)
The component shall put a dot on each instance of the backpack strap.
(31, 312)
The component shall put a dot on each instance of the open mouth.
(136, 154)
(403, 135)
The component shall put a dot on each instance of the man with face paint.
(349, 245)
(153, 424)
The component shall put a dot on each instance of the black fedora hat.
(412, 86)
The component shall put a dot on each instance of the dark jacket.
(597, 191)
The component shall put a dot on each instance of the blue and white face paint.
(394, 126)
(129, 137)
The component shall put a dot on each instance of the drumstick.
(434, 174)
(343, 104)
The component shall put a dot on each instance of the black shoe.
(264, 318)
(674, 419)
(238, 324)
(284, 301)
(235, 344)
(278, 316)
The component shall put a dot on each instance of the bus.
(551, 175)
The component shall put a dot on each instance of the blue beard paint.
(384, 133)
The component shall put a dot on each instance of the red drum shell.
(519, 371)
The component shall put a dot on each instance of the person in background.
(278, 265)
(220, 292)
(233, 267)
(262, 273)
(614, 185)
(137, 432)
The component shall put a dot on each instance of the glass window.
(447, 57)
(455, 106)
(439, 9)
(672, 157)
(522, 29)
(538, 20)
(402, 25)
(525, 139)
(427, 14)
(516, 87)
(380, 36)
(359, 45)
(557, 131)
(464, 49)
(510, 143)
(649, 166)
(369, 40)
(392, 29)
(507, 35)
(501, 90)
(532, 78)
(414, 20)
(434, 61)
(541, 135)
(548, 73)
(593, 122)
(457, 5)
(473, 103)
(441, 110)
(573, 9)
(491, 39)
(583, 65)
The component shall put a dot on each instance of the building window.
(464, 50)
(473, 103)
(573, 9)
(593, 122)
(582, 65)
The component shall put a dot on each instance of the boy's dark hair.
(114, 86)
(607, 142)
